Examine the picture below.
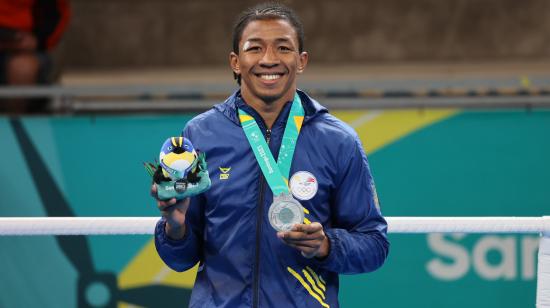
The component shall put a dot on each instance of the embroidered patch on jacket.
(224, 175)
(303, 185)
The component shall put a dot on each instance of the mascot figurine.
(181, 171)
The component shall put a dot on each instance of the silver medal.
(284, 212)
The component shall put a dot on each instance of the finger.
(168, 212)
(300, 235)
(164, 205)
(309, 255)
(154, 190)
(315, 244)
(307, 252)
(308, 228)
(304, 238)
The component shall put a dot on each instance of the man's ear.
(302, 63)
(234, 63)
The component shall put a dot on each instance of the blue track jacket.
(243, 263)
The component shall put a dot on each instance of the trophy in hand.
(181, 171)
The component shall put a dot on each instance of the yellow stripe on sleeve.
(307, 221)
(173, 139)
(180, 141)
(307, 287)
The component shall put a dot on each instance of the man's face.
(268, 60)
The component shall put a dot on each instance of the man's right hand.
(174, 212)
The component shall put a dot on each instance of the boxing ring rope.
(146, 225)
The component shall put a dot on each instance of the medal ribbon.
(276, 174)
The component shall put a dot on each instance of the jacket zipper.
(259, 216)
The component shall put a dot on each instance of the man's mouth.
(270, 76)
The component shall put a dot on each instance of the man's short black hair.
(266, 11)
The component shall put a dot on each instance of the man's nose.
(269, 58)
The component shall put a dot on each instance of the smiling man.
(292, 202)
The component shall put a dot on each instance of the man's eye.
(285, 48)
(253, 48)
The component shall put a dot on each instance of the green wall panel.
(478, 163)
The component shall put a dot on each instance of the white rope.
(146, 225)
(468, 224)
(77, 225)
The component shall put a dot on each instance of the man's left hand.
(309, 239)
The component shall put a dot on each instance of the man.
(244, 261)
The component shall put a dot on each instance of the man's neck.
(269, 111)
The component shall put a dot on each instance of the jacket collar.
(229, 107)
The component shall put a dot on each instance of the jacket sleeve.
(358, 241)
(183, 254)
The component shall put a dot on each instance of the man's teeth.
(270, 77)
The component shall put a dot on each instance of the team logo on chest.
(303, 185)
(224, 175)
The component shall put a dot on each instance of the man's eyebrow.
(259, 40)
(254, 40)
(283, 39)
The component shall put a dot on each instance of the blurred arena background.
(450, 98)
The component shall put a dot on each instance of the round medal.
(284, 212)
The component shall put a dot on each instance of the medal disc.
(284, 212)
